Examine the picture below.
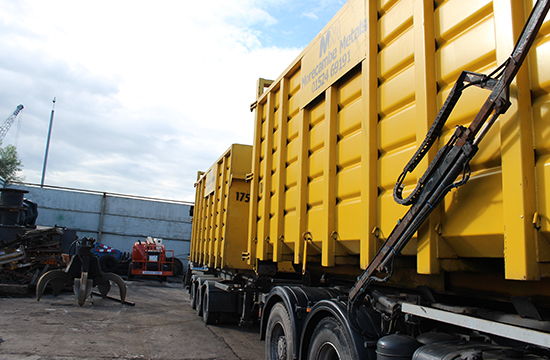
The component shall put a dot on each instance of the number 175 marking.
(243, 197)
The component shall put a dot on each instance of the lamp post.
(48, 145)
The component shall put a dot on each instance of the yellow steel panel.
(463, 214)
(292, 150)
(460, 53)
(467, 107)
(293, 128)
(273, 211)
(384, 5)
(349, 119)
(241, 156)
(397, 92)
(276, 106)
(317, 136)
(315, 220)
(489, 155)
(315, 192)
(291, 174)
(348, 215)
(541, 119)
(260, 235)
(261, 171)
(236, 229)
(275, 146)
(293, 105)
(350, 90)
(455, 16)
(262, 149)
(290, 229)
(397, 55)
(388, 214)
(316, 164)
(348, 183)
(540, 71)
(346, 150)
(317, 113)
(397, 130)
(395, 21)
(543, 182)
(391, 165)
(290, 198)
(294, 81)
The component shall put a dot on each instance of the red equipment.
(151, 258)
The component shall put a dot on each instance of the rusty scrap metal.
(27, 254)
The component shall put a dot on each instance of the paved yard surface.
(161, 325)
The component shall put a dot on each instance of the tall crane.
(5, 127)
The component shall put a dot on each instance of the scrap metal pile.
(28, 253)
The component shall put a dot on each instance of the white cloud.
(147, 93)
(311, 15)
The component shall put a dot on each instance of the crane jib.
(453, 159)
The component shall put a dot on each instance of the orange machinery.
(150, 257)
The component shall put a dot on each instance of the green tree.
(10, 164)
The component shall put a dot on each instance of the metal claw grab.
(82, 273)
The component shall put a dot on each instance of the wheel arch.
(338, 310)
(285, 294)
(297, 300)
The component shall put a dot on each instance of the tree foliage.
(10, 164)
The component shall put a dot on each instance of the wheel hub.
(281, 348)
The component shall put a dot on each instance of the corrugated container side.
(334, 131)
(220, 224)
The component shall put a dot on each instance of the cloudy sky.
(148, 92)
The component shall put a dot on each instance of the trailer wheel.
(209, 317)
(279, 335)
(330, 342)
(198, 301)
(193, 295)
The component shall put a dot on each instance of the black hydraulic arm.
(452, 159)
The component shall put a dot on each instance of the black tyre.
(193, 295)
(198, 300)
(279, 339)
(209, 317)
(178, 267)
(330, 341)
(187, 278)
(108, 263)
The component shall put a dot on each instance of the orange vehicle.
(150, 257)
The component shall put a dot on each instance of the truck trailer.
(394, 203)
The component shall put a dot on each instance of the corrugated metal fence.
(114, 219)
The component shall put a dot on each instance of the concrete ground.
(161, 325)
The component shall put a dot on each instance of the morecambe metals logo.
(330, 39)
(318, 76)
